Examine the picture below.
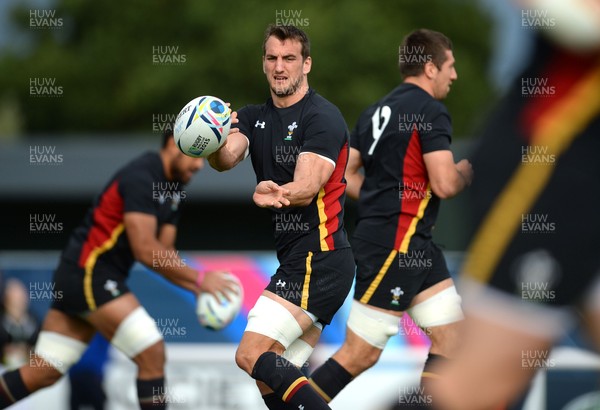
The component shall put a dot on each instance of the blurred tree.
(130, 66)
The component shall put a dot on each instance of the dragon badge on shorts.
(111, 286)
(396, 293)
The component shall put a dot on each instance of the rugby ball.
(201, 127)
(217, 312)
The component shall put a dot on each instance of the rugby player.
(403, 144)
(533, 259)
(298, 144)
(133, 219)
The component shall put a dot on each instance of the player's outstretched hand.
(217, 282)
(269, 194)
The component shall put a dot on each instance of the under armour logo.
(300, 407)
(259, 124)
(292, 127)
(280, 284)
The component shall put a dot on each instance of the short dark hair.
(167, 134)
(285, 33)
(420, 47)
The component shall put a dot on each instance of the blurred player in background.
(133, 219)
(18, 327)
(403, 144)
(298, 142)
(534, 254)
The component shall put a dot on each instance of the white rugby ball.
(201, 127)
(217, 312)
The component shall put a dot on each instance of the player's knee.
(276, 323)
(358, 355)
(368, 358)
(300, 350)
(37, 379)
(245, 358)
(445, 339)
(373, 326)
(137, 336)
(48, 378)
(441, 309)
(151, 361)
(55, 353)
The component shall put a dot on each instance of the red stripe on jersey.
(334, 189)
(107, 215)
(414, 176)
(548, 88)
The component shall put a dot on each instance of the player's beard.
(289, 90)
(177, 175)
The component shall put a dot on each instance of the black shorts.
(78, 293)
(318, 282)
(390, 280)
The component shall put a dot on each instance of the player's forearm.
(460, 179)
(222, 160)
(302, 193)
(168, 263)
(230, 154)
(184, 277)
(451, 186)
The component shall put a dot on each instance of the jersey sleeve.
(437, 130)
(136, 189)
(325, 134)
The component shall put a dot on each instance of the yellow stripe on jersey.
(306, 287)
(413, 223)
(91, 262)
(293, 386)
(322, 220)
(373, 286)
(556, 130)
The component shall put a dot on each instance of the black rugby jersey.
(140, 186)
(277, 136)
(396, 207)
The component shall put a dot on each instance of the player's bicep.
(167, 235)
(141, 232)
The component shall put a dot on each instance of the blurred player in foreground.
(534, 255)
(403, 144)
(298, 142)
(133, 219)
